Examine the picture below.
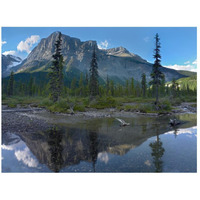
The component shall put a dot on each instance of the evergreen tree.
(86, 87)
(188, 89)
(56, 74)
(107, 85)
(144, 85)
(138, 90)
(132, 87)
(156, 74)
(81, 86)
(73, 86)
(10, 90)
(167, 89)
(127, 88)
(112, 89)
(174, 88)
(30, 86)
(93, 84)
(101, 91)
(86, 79)
(162, 87)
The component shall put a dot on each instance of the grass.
(147, 108)
(63, 105)
(145, 105)
(23, 101)
(103, 102)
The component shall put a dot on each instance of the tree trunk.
(156, 94)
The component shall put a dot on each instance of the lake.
(149, 144)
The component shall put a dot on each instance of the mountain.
(117, 63)
(9, 63)
(187, 73)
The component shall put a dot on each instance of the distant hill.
(190, 81)
(117, 63)
(186, 73)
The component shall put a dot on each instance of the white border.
(107, 14)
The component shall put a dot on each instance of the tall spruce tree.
(56, 74)
(93, 83)
(144, 85)
(107, 85)
(156, 74)
(127, 88)
(10, 89)
(162, 86)
(174, 88)
(30, 86)
(132, 87)
(81, 86)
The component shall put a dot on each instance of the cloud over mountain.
(28, 43)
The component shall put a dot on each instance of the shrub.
(60, 106)
(12, 105)
(80, 108)
(46, 103)
(165, 105)
(103, 102)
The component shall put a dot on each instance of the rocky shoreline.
(24, 120)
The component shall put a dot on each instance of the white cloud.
(191, 131)
(28, 43)
(187, 66)
(103, 157)
(26, 157)
(103, 45)
(7, 147)
(3, 42)
(195, 62)
(146, 39)
(9, 53)
(148, 163)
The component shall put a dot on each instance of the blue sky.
(178, 44)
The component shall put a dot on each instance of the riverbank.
(33, 119)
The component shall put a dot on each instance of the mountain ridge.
(114, 62)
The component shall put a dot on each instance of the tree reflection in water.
(175, 132)
(157, 153)
(55, 148)
(93, 147)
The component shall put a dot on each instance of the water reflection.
(102, 146)
(55, 137)
(157, 153)
(93, 147)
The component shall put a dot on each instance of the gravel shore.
(26, 120)
(17, 122)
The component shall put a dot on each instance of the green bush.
(148, 107)
(60, 106)
(165, 105)
(46, 103)
(80, 108)
(12, 105)
(103, 102)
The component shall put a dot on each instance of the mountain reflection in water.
(103, 147)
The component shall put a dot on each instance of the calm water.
(101, 145)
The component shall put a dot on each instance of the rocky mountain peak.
(117, 51)
(118, 63)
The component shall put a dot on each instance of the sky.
(178, 44)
